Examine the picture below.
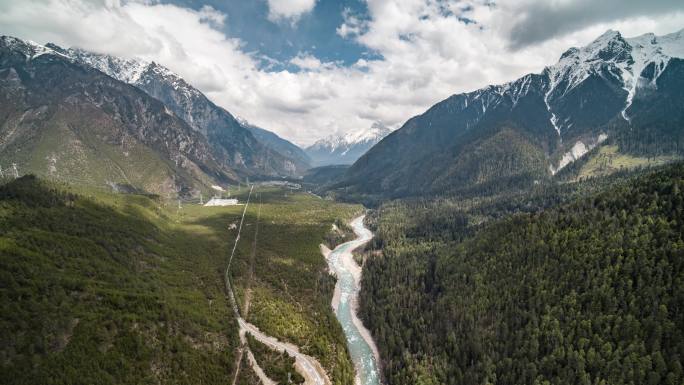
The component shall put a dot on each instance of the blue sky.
(313, 32)
(307, 69)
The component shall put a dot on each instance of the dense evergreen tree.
(587, 292)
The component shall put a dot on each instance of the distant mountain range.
(627, 92)
(99, 119)
(283, 146)
(345, 149)
(77, 115)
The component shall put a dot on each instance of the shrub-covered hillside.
(107, 293)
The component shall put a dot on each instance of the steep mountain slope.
(108, 293)
(346, 149)
(226, 134)
(282, 146)
(69, 121)
(625, 90)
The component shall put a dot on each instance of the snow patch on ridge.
(29, 48)
(554, 119)
(125, 70)
(133, 71)
(647, 49)
(578, 150)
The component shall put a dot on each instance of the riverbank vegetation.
(291, 288)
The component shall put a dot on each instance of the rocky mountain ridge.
(618, 89)
(225, 132)
(69, 121)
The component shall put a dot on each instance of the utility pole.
(16, 172)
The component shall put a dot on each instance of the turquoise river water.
(348, 273)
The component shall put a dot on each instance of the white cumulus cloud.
(289, 9)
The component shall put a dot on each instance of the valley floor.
(112, 288)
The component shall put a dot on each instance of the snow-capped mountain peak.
(612, 55)
(126, 70)
(577, 64)
(346, 148)
(615, 89)
(376, 132)
(134, 71)
(373, 134)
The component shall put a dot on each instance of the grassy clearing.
(609, 160)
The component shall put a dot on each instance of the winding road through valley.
(362, 348)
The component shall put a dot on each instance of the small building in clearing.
(221, 202)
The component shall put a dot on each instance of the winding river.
(363, 351)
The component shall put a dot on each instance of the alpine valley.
(530, 232)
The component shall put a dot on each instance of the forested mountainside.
(624, 92)
(104, 291)
(319, 178)
(587, 292)
(69, 121)
(293, 152)
(249, 151)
